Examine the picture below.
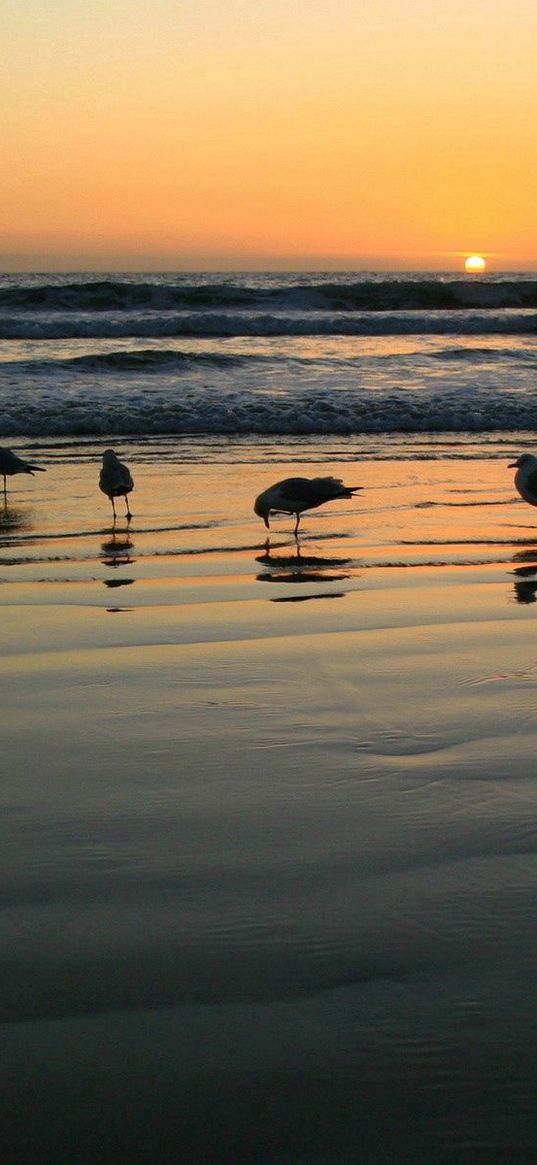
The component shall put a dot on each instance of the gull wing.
(325, 489)
(116, 478)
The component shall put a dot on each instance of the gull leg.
(113, 508)
(5, 490)
(297, 525)
(129, 515)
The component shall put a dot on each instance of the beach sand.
(270, 842)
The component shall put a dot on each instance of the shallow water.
(270, 845)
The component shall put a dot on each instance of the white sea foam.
(246, 412)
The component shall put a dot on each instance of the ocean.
(228, 355)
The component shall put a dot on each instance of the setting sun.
(474, 264)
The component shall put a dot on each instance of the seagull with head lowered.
(296, 494)
(115, 480)
(526, 477)
(11, 464)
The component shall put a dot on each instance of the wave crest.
(211, 325)
(376, 295)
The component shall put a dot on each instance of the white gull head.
(526, 477)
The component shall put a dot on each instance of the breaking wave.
(140, 360)
(373, 295)
(107, 325)
(264, 355)
(206, 412)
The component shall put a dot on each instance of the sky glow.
(235, 134)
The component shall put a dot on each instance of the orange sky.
(254, 133)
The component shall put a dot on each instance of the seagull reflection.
(307, 598)
(117, 550)
(301, 568)
(14, 519)
(529, 555)
(525, 591)
(118, 582)
(525, 571)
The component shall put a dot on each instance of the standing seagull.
(11, 464)
(115, 480)
(526, 477)
(296, 494)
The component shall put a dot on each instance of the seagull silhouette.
(11, 464)
(115, 480)
(296, 494)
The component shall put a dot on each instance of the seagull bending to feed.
(11, 464)
(296, 494)
(115, 480)
(526, 477)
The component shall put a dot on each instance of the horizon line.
(262, 270)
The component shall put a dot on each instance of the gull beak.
(266, 521)
(513, 465)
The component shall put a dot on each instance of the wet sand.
(269, 815)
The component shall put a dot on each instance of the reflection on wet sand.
(306, 598)
(315, 824)
(529, 555)
(117, 550)
(300, 568)
(525, 591)
(12, 518)
(118, 582)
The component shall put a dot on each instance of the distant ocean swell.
(376, 295)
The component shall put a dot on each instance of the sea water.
(266, 354)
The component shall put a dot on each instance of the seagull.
(296, 494)
(11, 464)
(115, 480)
(526, 477)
